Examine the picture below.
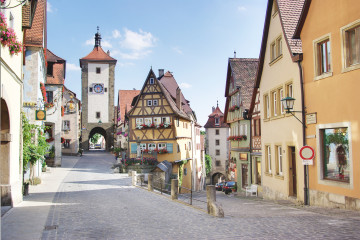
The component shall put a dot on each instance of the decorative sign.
(29, 104)
(311, 118)
(307, 154)
(40, 115)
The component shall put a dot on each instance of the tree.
(207, 164)
(95, 138)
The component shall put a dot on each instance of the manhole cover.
(47, 228)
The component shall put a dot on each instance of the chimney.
(161, 73)
(213, 109)
(178, 99)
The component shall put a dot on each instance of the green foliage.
(207, 164)
(181, 172)
(33, 151)
(202, 132)
(95, 138)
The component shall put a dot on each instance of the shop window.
(335, 157)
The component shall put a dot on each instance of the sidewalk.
(27, 219)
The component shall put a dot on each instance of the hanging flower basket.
(237, 138)
(62, 140)
(233, 108)
(50, 139)
(8, 37)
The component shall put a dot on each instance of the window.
(151, 146)
(289, 90)
(282, 110)
(275, 104)
(217, 121)
(142, 146)
(149, 102)
(162, 145)
(217, 142)
(217, 152)
(98, 70)
(256, 127)
(157, 120)
(139, 121)
(267, 106)
(155, 102)
(90, 89)
(66, 125)
(323, 63)
(275, 49)
(148, 121)
(217, 132)
(243, 129)
(49, 96)
(165, 120)
(97, 114)
(279, 160)
(11, 21)
(351, 44)
(178, 148)
(335, 157)
(66, 143)
(151, 80)
(268, 159)
(217, 163)
(178, 122)
(49, 70)
(105, 89)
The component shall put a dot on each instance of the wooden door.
(292, 172)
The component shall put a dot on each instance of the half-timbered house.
(161, 123)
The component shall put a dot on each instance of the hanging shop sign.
(40, 115)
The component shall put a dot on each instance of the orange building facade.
(330, 35)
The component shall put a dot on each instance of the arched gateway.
(5, 155)
(97, 80)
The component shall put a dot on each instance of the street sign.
(307, 154)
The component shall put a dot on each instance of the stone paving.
(91, 202)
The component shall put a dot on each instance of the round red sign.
(307, 153)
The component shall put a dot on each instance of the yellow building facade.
(330, 34)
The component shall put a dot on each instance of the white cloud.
(90, 42)
(72, 67)
(178, 50)
(133, 55)
(185, 85)
(49, 7)
(116, 33)
(126, 64)
(137, 41)
(106, 44)
(242, 8)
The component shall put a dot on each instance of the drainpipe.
(306, 167)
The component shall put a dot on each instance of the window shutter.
(169, 147)
(133, 148)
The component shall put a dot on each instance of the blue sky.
(192, 39)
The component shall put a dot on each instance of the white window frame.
(344, 52)
(282, 110)
(165, 120)
(142, 146)
(217, 121)
(317, 75)
(157, 120)
(161, 146)
(148, 121)
(280, 160)
(149, 103)
(152, 81)
(267, 103)
(66, 125)
(274, 96)
(139, 121)
(155, 102)
(151, 146)
(269, 158)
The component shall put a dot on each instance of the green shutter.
(169, 147)
(133, 148)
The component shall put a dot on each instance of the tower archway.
(5, 155)
(101, 142)
(217, 177)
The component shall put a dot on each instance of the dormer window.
(217, 121)
(151, 80)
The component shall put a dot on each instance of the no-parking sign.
(307, 154)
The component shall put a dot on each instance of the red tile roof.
(211, 120)
(290, 12)
(36, 35)
(58, 63)
(97, 54)
(125, 98)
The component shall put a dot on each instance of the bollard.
(213, 208)
(133, 174)
(129, 173)
(174, 189)
(150, 182)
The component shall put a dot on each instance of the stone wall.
(332, 200)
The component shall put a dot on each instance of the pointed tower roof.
(97, 54)
(217, 113)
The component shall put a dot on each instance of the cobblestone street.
(91, 202)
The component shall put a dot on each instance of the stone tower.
(97, 94)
